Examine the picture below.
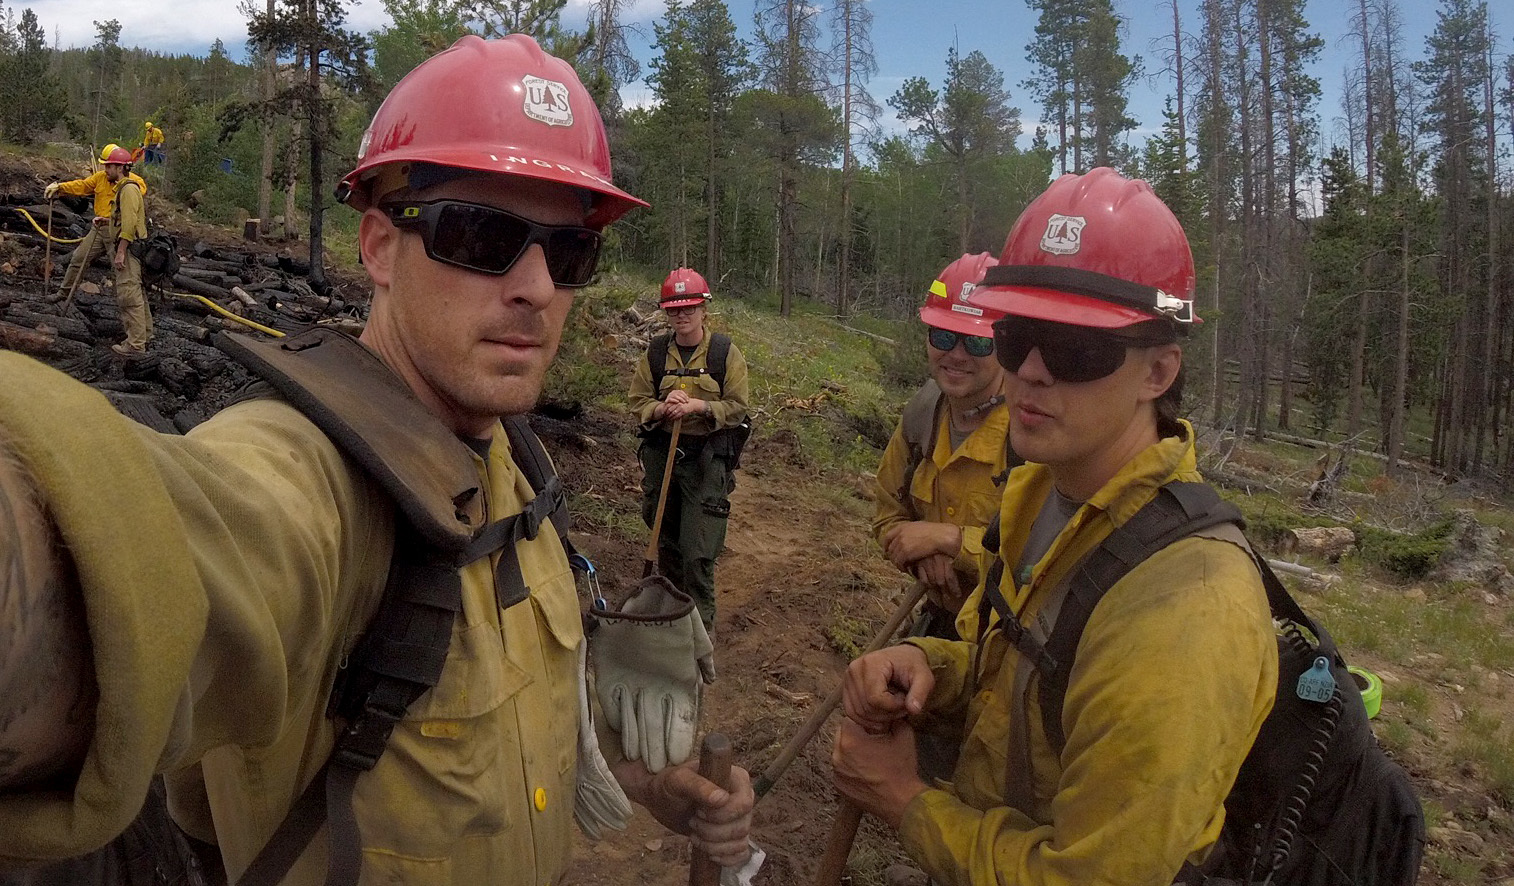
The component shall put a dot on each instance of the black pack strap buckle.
(362, 743)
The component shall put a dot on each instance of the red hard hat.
(952, 302)
(119, 155)
(503, 106)
(1097, 250)
(683, 288)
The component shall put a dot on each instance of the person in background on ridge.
(128, 224)
(713, 411)
(94, 243)
(152, 143)
(185, 604)
(943, 472)
(1096, 282)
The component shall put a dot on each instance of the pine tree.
(969, 121)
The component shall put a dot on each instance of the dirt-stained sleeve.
(236, 535)
(642, 398)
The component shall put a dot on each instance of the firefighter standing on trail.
(94, 244)
(128, 225)
(1177, 667)
(713, 406)
(942, 474)
(216, 584)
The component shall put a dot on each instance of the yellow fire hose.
(33, 221)
(227, 314)
(207, 302)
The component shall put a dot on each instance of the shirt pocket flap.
(708, 385)
(557, 602)
(476, 679)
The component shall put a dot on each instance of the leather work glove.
(50, 191)
(648, 673)
(598, 801)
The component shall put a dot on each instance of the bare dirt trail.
(796, 568)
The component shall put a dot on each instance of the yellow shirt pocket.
(708, 386)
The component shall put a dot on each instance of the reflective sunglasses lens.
(978, 345)
(572, 256)
(941, 339)
(478, 238)
(945, 340)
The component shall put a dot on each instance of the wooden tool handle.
(838, 847)
(764, 782)
(662, 497)
(715, 765)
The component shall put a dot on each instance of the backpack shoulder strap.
(657, 360)
(374, 418)
(919, 422)
(715, 357)
(348, 392)
(1178, 511)
(532, 459)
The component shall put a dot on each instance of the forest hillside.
(1415, 587)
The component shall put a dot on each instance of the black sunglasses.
(945, 340)
(490, 241)
(1071, 353)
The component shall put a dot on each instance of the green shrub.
(1409, 556)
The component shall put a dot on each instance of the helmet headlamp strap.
(1093, 284)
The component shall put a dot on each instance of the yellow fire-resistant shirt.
(226, 574)
(955, 487)
(728, 406)
(100, 186)
(1174, 675)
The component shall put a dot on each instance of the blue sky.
(910, 37)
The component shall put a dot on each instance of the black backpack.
(1316, 802)
(158, 252)
(727, 443)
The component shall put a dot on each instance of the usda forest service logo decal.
(1064, 234)
(547, 101)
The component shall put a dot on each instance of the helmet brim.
(959, 320)
(1060, 307)
(610, 202)
(686, 302)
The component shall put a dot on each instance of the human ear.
(377, 240)
(1162, 365)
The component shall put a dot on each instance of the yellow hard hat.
(148, 123)
(106, 151)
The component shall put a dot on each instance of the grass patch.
(1484, 744)
(847, 633)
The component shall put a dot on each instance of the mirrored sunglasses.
(945, 340)
(1070, 353)
(490, 241)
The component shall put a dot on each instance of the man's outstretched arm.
(47, 684)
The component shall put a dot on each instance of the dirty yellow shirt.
(955, 487)
(100, 186)
(225, 576)
(129, 219)
(728, 407)
(1175, 673)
